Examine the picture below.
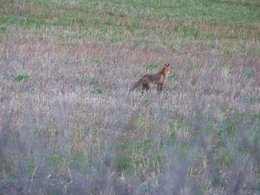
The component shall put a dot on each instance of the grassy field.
(69, 125)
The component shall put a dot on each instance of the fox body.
(157, 78)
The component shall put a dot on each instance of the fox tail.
(136, 84)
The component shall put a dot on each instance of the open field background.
(68, 124)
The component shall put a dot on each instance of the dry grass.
(73, 122)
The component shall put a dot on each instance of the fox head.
(166, 69)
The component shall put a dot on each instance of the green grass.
(136, 21)
(21, 77)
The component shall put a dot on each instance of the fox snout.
(167, 69)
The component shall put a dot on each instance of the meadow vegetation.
(68, 124)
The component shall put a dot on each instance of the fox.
(156, 78)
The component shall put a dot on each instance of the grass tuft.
(21, 77)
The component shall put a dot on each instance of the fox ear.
(167, 65)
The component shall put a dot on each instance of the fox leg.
(145, 86)
(159, 87)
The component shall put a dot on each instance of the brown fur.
(157, 78)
